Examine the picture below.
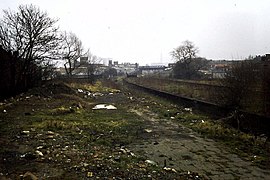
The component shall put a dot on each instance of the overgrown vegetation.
(248, 146)
(187, 63)
(64, 131)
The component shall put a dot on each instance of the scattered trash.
(123, 150)
(4, 111)
(26, 133)
(40, 147)
(50, 137)
(203, 121)
(97, 94)
(104, 106)
(172, 117)
(151, 162)
(39, 153)
(170, 169)
(188, 109)
(50, 133)
(80, 90)
(148, 130)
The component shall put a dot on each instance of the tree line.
(30, 45)
(245, 82)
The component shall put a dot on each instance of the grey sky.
(145, 31)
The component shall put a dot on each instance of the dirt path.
(178, 147)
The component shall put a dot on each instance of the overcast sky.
(146, 31)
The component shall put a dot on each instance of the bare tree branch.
(72, 50)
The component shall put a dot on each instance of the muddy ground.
(53, 132)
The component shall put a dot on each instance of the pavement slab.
(176, 146)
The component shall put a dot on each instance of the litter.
(151, 162)
(170, 169)
(148, 130)
(39, 153)
(80, 90)
(188, 109)
(104, 106)
(97, 94)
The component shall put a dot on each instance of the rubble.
(151, 162)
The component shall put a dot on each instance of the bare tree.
(185, 52)
(72, 50)
(32, 35)
(30, 32)
(187, 64)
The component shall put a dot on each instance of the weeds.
(97, 87)
(58, 125)
(243, 144)
(61, 111)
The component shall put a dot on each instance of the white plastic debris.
(188, 109)
(39, 153)
(104, 106)
(151, 162)
(97, 94)
(80, 90)
(148, 130)
(4, 111)
(170, 169)
(25, 132)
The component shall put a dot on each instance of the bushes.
(13, 78)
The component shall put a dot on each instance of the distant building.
(84, 61)
(110, 63)
(144, 70)
(266, 57)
